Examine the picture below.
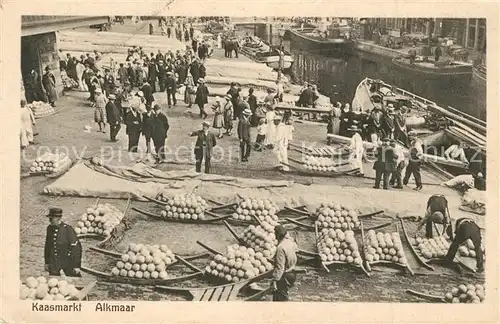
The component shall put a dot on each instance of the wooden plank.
(207, 296)
(198, 294)
(236, 290)
(226, 293)
(217, 293)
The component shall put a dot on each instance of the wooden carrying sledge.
(326, 265)
(466, 262)
(224, 292)
(369, 265)
(430, 298)
(310, 226)
(143, 282)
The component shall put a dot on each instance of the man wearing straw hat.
(63, 250)
(244, 135)
(205, 142)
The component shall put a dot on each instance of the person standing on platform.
(159, 132)
(113, 117)
(205, 142)
(437, 212)
(466, 228)
(285, 260)
(415, 159)
(244, 135)
(49, 85)
(63, 250)
(133, 121)
(201, 99)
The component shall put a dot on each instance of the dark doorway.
(30, 60)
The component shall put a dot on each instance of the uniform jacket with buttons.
(63, 250)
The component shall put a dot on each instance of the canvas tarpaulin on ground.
(88, 179)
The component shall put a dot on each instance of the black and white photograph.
(261, 158)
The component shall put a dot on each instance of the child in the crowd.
(261, 135)
(290, 130)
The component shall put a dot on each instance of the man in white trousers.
(357, 149)
(281, 143)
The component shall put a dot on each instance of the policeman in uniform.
(466, 228)
(437, 212)
(63, 250)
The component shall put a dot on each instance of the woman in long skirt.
(271, 127)
(218, 117)
(99, 115)
(228, 115)
(27, 123)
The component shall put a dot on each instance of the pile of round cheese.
(317, 163)
(263, 209)
(100, 219)
(333, 215)
(436, 247)
(188, 206)
(144, 261)
(50, 163)
(40, 109)
(47, 289)
(469, 293)
(467, 249)
(261, 238)
(383, 246)
(239, 263)
(337, 245)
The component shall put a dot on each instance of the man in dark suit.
(63, 250)
(159, 131)
(390, 159)
(171, 84)
(147, 90)
(133, 121)
(122, 74)
(152, 75)
(381, 165)
(113, 117)
(109, 82)
(205, 142)
(244, 135)
(131, 74)
(162, 75)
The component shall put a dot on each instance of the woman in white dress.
(27, 123)
(219, 41)
(271, 127)
(80, 68)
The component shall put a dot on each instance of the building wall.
(48, 55)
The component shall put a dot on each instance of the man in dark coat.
(71, 68)
(390, 164)
(49, 85)
(109, 82)
(159, 132)
(244, 135)
(181, 71)
(195, 71)
(160, 56)
(191, 32)
(414, 162)
(385, 164)
(203, 71)
(171, 85)
(90, 61)
(152, 75)
(235, 99)
(113, 116)
(252, 103)
(133, 121)
(205, 142)
(201, 98)
(122, 74)
(147, 127)
(147, 90)
(162, 75)
(131, 73)
(63, 250)
(194, 45)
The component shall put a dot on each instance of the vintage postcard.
(189, 161)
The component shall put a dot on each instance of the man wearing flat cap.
(285, 261)
(205, 142)
(113, 116)
(244, 134)
(63, 250)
